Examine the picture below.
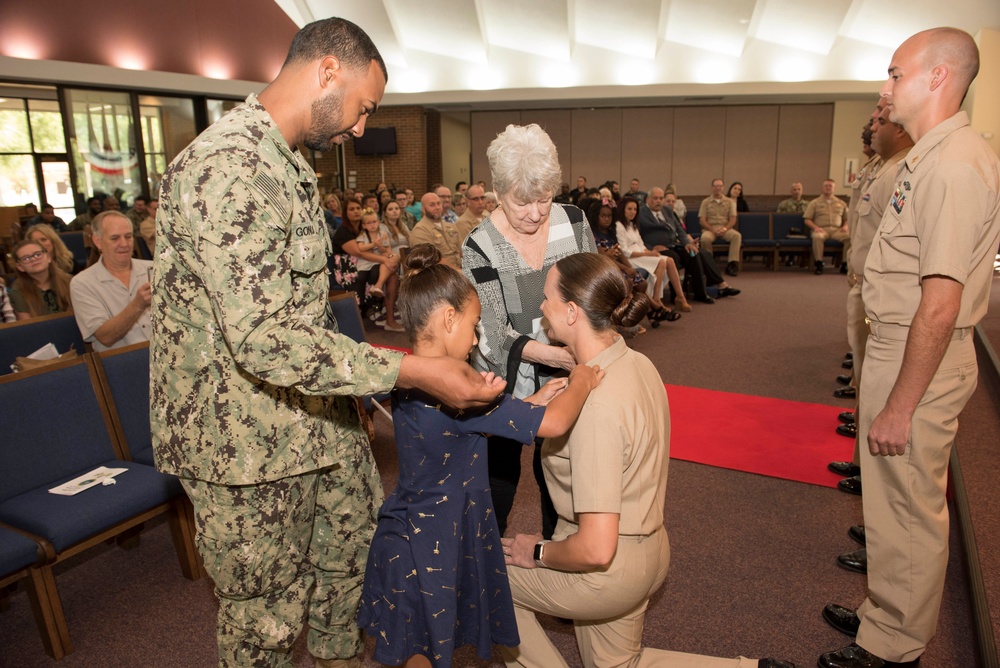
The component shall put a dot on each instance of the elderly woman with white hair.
(506, 257)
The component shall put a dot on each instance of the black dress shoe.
(847, 364)
(849, 430)
(705, 300)
(855, 656)
(845, 393)
(843, 619)
(729, 292)
(857, 533)
(846, 469)
(847, 417)
(845, 379)
(856, 561)
(819, 268)
(774, 663)
(850, 485)
(733, 269)
(849, 355)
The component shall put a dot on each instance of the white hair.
(524, 163)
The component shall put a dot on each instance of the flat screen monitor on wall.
(376, 141)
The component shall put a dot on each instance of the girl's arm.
(563, 407)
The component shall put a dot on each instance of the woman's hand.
(588, 375)
(548, 392)
(520, 550)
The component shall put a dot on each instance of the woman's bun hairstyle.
(596, 284)
(421, 257)
(632, 310)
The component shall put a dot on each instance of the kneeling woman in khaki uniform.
(608, 478)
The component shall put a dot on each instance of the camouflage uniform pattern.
(250, 385)
(792, 205)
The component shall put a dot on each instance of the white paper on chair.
(46, 352)
(99, 476)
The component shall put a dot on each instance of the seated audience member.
(433, 230)
(601, 216)
(491, 202)
(459, 205)
(48, 216)
(399, 231)
(736, 194)
(679, 207)
(110, 203)
(475, 196)
(331, 212)
(147, 228)
(826, 218)
(717, 216)
(384, 197)
(413, 206)
(580, 190)
(795, 203)
(343, 265)
(6, 308)
(461, 187)
(47, 238)
(608, 479)
(448, 215)
(371, 201)
(402, 199)
(41, 287)
(658, 266)
(635, 193)
(81, 221)
(375, 260)
(138, 212)
(111, 298)
(661, 231)
(563, 197)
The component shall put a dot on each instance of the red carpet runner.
(773, 437)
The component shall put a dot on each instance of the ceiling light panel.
(811, 27)
(539, 27)
(442, 27)
(625, 26)
(883, 24)
(713, 25)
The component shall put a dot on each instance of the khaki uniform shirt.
(244, 354)
(828, 213)
(717, 211)
(468, 222)
(446, 237)
(614, 460)
(875, 194)
(943, 219)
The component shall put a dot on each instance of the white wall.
(849, 120)
(456, 147)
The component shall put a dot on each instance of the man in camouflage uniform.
(250, 380)
(795, 203)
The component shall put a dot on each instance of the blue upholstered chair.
(349, 322)
(798, 246)
(124, 379)
(39, 453)
(74, 242)
(26, 336)
(24, 558)
(757, 239)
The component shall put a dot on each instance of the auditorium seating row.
(104, 423)
(769, 235)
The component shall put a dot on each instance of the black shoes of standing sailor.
(843, 619)
(846, 469)
(856, 561)
(857, 533)
(847, 417)
(774, 663)
(844, 378)
(848, 430)
(850, 485)
(845, 393)
(855, 656)
(847, 364)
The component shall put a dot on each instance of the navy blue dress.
(436, 578)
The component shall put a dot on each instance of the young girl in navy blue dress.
(436, 578)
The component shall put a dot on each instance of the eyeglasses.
(32, 257)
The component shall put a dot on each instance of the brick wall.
(417, 162)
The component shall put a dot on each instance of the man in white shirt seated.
(111, 298)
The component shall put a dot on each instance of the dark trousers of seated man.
(699, 272)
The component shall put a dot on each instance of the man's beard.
(327, 117)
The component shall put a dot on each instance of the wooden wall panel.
(699, 148)
(597, 145)
(485, 126)
(647, 146)
(805, 132)
(751, 148)
(558, 124)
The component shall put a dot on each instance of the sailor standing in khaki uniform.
(926, 284)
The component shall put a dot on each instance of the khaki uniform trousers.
(906, 513)
(734, 238)
(609, 609)
(857, 339)
(820, 236)
(284, 552)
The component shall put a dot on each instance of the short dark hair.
(140, 198)
(335, 37)
(460, 184)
